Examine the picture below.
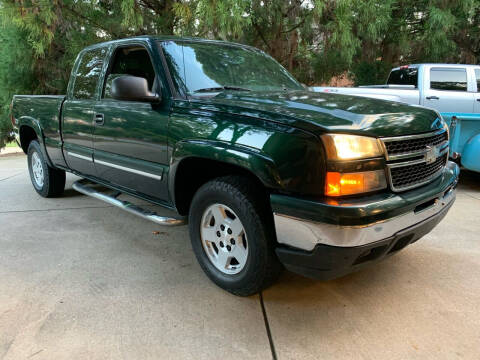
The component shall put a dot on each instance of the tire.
(47, 181)
(234, 202)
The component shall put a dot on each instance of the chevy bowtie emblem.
(431, 154)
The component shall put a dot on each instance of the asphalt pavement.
(80, 279)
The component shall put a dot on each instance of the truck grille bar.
(415, 160)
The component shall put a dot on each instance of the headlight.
(350, 147)
(345, 170)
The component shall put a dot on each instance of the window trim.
(177, 94)
(439, 68)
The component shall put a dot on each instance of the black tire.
(53, 179)
(251, 206)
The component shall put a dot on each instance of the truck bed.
(44, 110)
(40, 105)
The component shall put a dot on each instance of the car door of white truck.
(447, 90)
(476, 95)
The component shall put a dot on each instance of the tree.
(314, 39)
(13, 47)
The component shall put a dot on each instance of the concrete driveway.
(82, 280)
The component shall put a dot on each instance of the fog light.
(339, 184)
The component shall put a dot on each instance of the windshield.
(403, 76)
(202, 67)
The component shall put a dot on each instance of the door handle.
(432, 98)
(478, 99)
(99, 119)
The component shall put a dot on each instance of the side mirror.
(133, 88)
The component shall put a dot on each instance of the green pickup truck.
(267, 173)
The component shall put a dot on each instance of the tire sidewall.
(34, 147)
(256, 244)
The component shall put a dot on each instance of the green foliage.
(436, 38)
(315, 39)
(16, 74)
(368, 73)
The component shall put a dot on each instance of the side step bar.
(85, 187)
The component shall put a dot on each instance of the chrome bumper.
(305, 235)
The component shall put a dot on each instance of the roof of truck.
(163, 38)
(435, 64)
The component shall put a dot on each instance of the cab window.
(88, 73)
(133, 61)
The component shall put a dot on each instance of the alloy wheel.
(224, 239)
(37, 169)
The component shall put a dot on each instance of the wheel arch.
(195, 163)
(470, 159)
(27, 134)
(29, 129)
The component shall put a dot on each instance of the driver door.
(130, 137)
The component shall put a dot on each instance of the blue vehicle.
(451, 89)
(465, 138)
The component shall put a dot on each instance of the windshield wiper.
(220, 88)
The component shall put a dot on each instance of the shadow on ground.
(469, 180)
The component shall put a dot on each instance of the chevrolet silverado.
(267, 174)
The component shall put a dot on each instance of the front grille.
(407, 163)
(415, 144)
(406, 176)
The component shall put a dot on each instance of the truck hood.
(323, 112)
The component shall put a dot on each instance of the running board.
(85, 187)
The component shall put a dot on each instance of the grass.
(12, 144)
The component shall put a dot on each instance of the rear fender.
(27, 121)
(471, 154)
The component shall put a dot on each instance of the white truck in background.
(451, 89)
(447, 88)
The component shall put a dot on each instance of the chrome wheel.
(37, 169)
(224, 239)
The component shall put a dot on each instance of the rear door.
(448, 90)
(131, 137)
(77, 111)
(476, 105)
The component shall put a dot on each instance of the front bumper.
(322, 244)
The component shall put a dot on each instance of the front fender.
(247, 158)
(471, 154)
(283, 158)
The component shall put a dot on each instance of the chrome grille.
(416, 144)
(405, 176)
(415, 160)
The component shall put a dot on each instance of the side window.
(88, 72)
(477, 75)
(448, 79)
(133, 61)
